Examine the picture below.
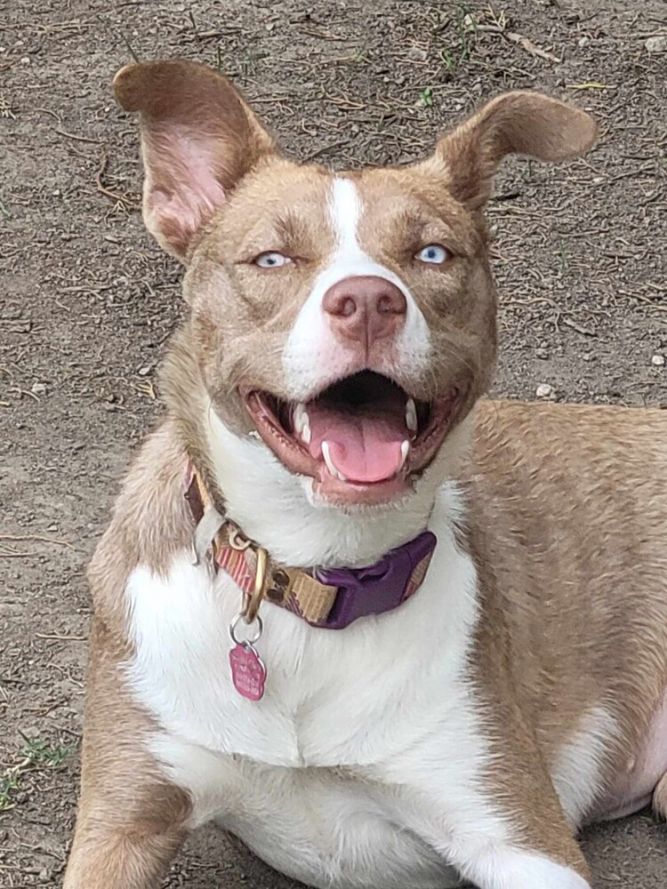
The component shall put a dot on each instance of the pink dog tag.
(248, 671)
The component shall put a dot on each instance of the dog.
(387, 632)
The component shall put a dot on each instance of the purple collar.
(329, 598)
(378, 588)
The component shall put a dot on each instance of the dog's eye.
(271, 260)
(436, 254)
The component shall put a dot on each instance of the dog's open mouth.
(363, 439)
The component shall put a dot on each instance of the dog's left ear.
(199, 138)
(513, 123)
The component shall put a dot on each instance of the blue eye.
(271, 260)
(436, 254)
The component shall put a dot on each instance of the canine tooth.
(405, 450)
(300, 416)
(302, 422)
(411, 415)
(254, 434)
(326, 453)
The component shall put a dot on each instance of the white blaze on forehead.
(313, 354)
(345, 212)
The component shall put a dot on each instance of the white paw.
(515, 869)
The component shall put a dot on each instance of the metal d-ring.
(250, 641)
(237, 541)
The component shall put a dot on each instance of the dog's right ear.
(199, 138)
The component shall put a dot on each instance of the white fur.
(577, 773)
(313, 355)
(180, 626)
(511, 868)
(410, 726)
(364, 764)
(275, 506)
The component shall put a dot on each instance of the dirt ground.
(87, 300)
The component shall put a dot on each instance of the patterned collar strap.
(329, 598)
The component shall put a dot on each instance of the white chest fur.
(333, 698)
(383, 692)
(332, 775)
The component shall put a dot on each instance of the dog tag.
(248, 671)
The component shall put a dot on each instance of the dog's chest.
(324, 827)
(307, 776)
(350, 697)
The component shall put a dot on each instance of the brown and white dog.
(456, 709)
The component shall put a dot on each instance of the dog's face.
(348, 319)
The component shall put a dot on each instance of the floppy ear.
(513, 123)
(198, 137)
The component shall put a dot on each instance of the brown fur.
(567, 524)
(131, 820)
(566, 506)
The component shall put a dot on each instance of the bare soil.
(87, 300)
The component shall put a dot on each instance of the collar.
(329, 598)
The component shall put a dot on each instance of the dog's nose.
(365, 308)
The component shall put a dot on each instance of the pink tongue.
(366, 446)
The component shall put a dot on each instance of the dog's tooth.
(300, 417)
(331, 466)
(255, 434)
(405, 450)
(302, 423)
(411, 415)
(326, 453)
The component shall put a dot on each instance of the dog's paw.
(516, 869)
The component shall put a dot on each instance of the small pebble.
(38, 389)
(657, 44)
(583, 41)
(144, 371)
(416, 54)
(544, 390)
(25, 60)
(658, 360)
(542, 353)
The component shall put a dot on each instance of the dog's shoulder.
(149, 523)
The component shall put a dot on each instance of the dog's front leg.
(490, 864)
(509, 867)
(505, 832)
(130, 823)
(131, 819)
(106, 856)
(552, 861)
(510, 851)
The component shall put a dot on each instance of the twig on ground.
(75, 137)
(42, 538)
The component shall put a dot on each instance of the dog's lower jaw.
(283, 512)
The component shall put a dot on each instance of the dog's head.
(347, 318)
